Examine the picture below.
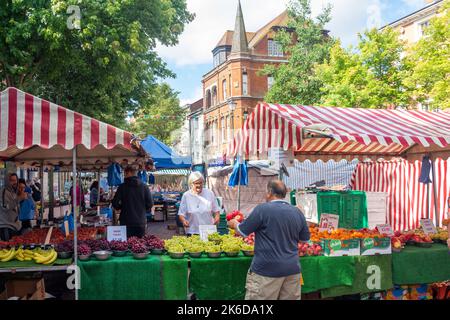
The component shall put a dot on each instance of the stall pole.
(433, 171)
(239, 186)
(41, 181)
(98, 188)
(75, 216)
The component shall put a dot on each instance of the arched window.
(208, 98)
(224, 89)
(214, 96)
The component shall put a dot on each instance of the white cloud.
(191, 97)
(214, 17)
(415, 3)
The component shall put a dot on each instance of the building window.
(422, 27)
(227, 127)
(214, 96)
(269, 82)
(274, 48)
(224, 89)
(208, 98)
(244, 84)
(245, 115)
(222, 129)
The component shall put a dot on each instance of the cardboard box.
(29, 289)
(371, 247)
(339, 248)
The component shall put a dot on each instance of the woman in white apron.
(198, 206)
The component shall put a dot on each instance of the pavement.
(161, 230)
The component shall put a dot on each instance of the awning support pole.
(433, 170)
(75, 216)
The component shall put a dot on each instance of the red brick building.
(235, 81)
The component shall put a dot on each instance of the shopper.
(36, 190)
(198, 205)
(278, 226)
(27, 208)
(9, 210)
(93, 195)
(134, 200)
(79, 194)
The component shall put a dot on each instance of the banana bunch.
(45, 256)
(38, 255)
(7, 255)
(24, 255)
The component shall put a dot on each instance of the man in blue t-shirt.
(278, 226)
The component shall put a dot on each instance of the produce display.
(65, 246)
(307, 249)
(118, 245)
(441, 235)
(239, 216)
(153, 242)
(39, 255)
(139, 247)
(37, 236)
(250, 239)
(84, 249)
(343, 234)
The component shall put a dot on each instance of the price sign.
(428, 226)
(206, 230)
(117, 233)
(328, 222)
(385, 229)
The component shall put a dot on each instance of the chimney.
(240, 43)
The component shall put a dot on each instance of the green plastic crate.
(354, 210)
(350, 206)
(292, 197)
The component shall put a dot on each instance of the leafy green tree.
(161, 115)
(430, 62)
(306, 46)
(104, 69)
(369, 76)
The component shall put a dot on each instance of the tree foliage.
(429, 59)
(306, 46)
(161, 115)
(371, 76)
(106, 68)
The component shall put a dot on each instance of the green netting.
(123, 278)
(421, 265)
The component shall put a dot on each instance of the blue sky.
(192, 57)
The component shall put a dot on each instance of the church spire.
(240, 43)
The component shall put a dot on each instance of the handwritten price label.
(328, 222)
(385, 229)
(428, 226)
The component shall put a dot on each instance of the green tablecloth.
(121, 278)
(224, 278)
(174, 278)
(372, 274)
(220, 278)
(421, 265)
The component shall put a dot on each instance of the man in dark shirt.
(134, 200)
(278, 226)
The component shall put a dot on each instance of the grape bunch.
(139, 247)
(103, 244)
(211, 247)
(153, 242)
(118, 245)
(65, 246)
(84, 250)
(134, 240)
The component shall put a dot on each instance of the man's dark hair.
(14, 175)
(130, 169)
(277, 188)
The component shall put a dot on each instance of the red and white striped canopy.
(351, 131)
(35, 129)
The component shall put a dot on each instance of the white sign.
(385, 229)
(117, 233)
(428, 226)
(328, 222)
(206, 230)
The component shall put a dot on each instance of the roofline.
(412, 14)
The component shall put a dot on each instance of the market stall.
(38, 133)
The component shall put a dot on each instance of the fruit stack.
(309, 249)
(39, 255)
